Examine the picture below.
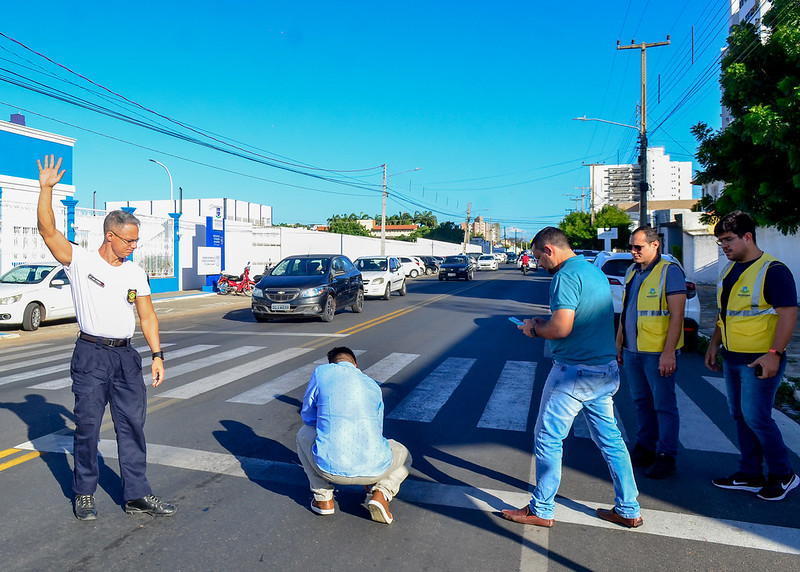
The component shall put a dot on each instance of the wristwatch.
(776, 352)
(533, 331)
(158, 354)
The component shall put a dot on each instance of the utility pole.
(383, 214)
(643, 126)
(466, 231)
(582, 196)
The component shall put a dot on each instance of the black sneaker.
(663, 467)
(741, 482)
(85, 508)
(642, 456)
(151, 505)
(778, 487)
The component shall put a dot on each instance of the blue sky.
(480, 96)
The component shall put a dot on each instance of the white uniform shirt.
(101, 296)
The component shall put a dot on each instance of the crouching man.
(341, 441)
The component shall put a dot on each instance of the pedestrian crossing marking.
(232, 374)
(63, 382)
(389, 366)
(697, 431)
(510, 401)
(10, 354)
(580, 426)
(425, 401)
(281, 385)
(788, 426)
(696, 528)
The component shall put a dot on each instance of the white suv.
(615, 264)
(381, 275)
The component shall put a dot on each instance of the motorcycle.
(524, 267)
(243, 284)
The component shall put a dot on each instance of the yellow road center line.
(19, 460)
(8, 452)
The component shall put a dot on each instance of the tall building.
(619, 184)
(479, 227)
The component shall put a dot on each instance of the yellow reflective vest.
(652, 312)
(750, 322)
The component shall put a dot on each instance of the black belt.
(113, 342)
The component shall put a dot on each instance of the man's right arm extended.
(49, 177)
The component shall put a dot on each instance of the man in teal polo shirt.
(585, 376)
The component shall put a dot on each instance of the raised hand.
(49, 175)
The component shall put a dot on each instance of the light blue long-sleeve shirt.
(346, 406)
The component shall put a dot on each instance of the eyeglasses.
(637, 247)
(125, 240)
(727, 240)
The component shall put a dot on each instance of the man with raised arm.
(105, 368)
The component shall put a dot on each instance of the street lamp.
(383, 205)
(168, 174)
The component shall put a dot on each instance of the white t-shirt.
(104, 295)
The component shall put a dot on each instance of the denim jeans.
(750, 400)
(656, 403)
(568, 389)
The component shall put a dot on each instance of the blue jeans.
(568, 389)
(656, 403)
(750, 400)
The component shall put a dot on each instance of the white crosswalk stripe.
(510, 401)
(282, 385)
(697, 431)
(389, 366)
(789, 428)
(425, 401)
(232, 374)
(10, 354)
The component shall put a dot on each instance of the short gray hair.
(118, 219)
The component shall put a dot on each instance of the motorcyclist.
(524, 264)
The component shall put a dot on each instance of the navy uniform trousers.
(102, 375)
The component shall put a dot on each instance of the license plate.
(280, 307)
(451, 273)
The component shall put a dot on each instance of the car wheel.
(402, 290)
(329, 310)
(388, 293)
(428, 272)
(261, 318)
(32, 317)
(413, 273)
(358, 305)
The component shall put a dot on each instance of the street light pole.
(168, 174)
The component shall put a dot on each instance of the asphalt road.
(461, 388)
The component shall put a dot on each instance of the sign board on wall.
(209, 260)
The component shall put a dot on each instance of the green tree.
(583, 234)
(341, 226)
(758, 154)
(447, 231)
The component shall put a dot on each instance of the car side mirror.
(58, 283)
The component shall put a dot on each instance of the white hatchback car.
(487, 262)
(615, 264)
(33, 293)
(381, 275)
(412, 266)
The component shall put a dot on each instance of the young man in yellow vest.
(757, 301)
(648, 339)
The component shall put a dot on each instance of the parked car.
(308, 285)
(431, 264)
(411, 267)
(615, 264)
(501, 257)
(455, 267)
(381, 276)
(589, 255)
(34, 293)
(487, 262)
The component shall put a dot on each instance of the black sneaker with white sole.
(85, 508)
(151, 505)
(741, 482)
(778, 487)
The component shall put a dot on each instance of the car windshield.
(455, 260)
(26, 274)
(371, 264)
(301, 267)
(616, 266)
(486, 257)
